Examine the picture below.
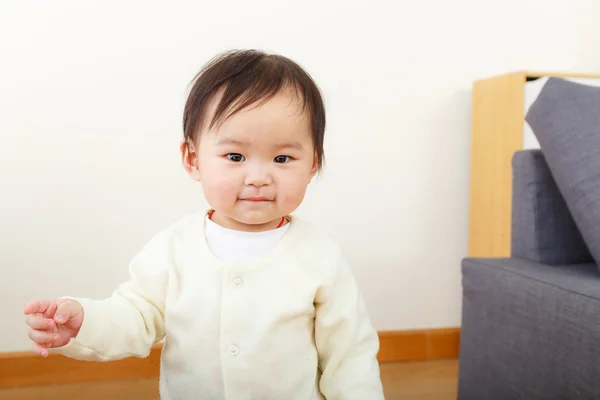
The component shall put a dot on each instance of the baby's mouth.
(256, 199)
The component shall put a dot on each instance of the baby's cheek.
(220, 190)
(293, 196)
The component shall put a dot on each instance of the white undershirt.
(231, 245)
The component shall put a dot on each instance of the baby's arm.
(346, 342)
(130, 321)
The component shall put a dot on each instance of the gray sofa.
(531, 322)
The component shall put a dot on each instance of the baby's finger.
(40, 350)
(37, 321)
(51, 310)
(36, 306)
(42, 337)
(65, 311)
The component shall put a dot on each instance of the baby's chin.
(256, 222)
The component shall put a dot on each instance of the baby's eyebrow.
(226, 140)
(290, 145)
(283, 145)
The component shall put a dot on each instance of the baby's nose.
(258, 176)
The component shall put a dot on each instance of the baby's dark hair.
(245, 77)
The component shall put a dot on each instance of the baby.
(251, 301)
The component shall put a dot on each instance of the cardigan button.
(238, 282)
(234, 350)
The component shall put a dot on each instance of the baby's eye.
(235, 157)
(282, 159)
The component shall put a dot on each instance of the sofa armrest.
(543, 229)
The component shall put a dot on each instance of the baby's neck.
(230, 223)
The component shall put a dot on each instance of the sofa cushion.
(529, 331)
(542, 227)
(565, 119)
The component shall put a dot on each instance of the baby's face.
(256, 165)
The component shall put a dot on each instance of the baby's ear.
(189, 159)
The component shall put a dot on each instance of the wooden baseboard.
(27, 369)
(418, 345)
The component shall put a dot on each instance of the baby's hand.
(53, 323)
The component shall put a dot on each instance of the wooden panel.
(423, 380)
(27, 369)
(533, 74)
(24, 369)
(443, 343)
(118, 389)
(402, 346)
(431, 344)
(420, 380)
(497, 132)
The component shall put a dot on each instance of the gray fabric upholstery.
(529, 331)
(542, 227)
(565, 118)
(531, 323)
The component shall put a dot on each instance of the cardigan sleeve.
(346, 341)
(130, 321)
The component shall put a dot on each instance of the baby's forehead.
(256, 128)
(269, 126)
(262, 141)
